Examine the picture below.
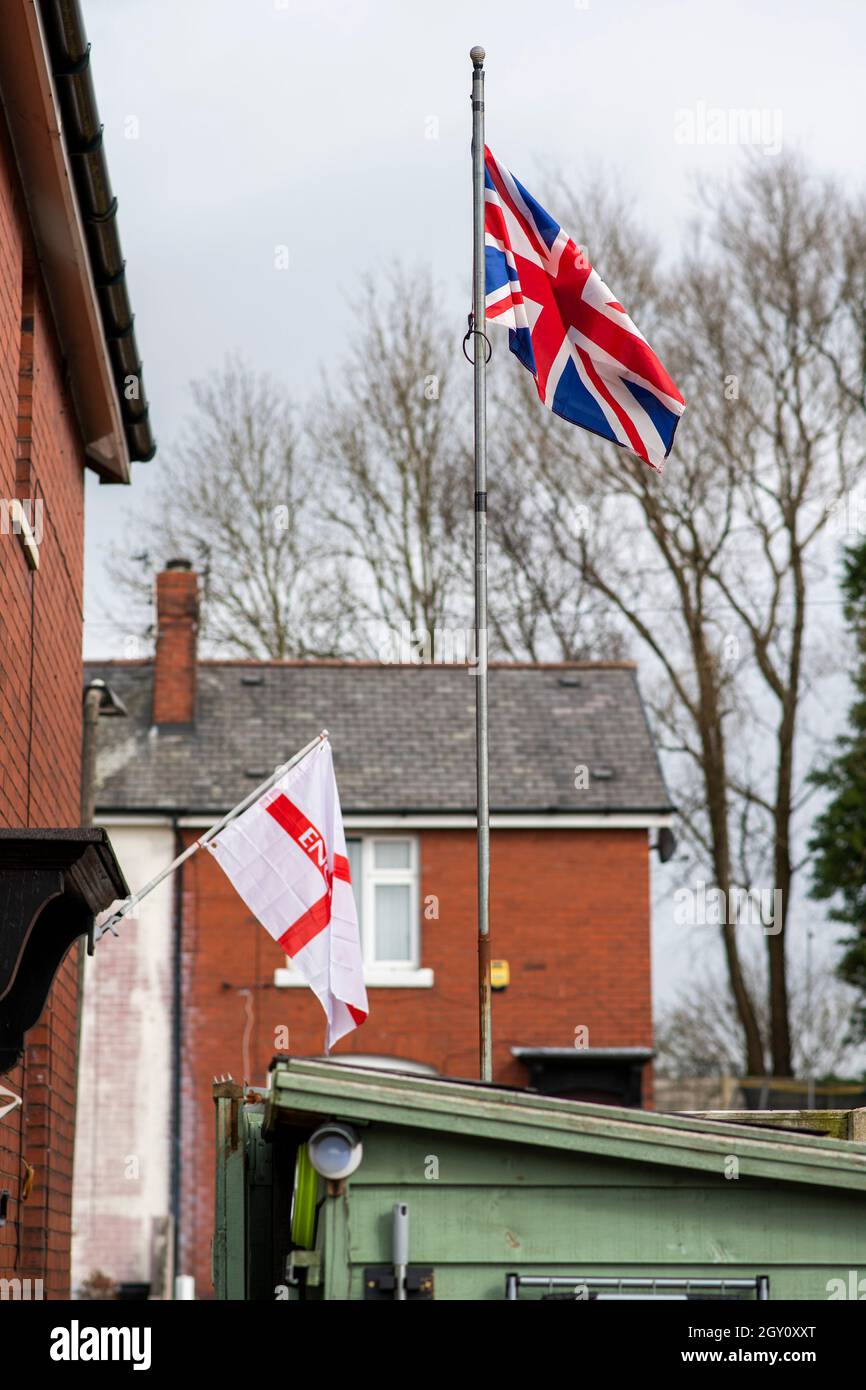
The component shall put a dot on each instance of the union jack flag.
(591, 364)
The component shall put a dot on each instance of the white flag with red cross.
(286, 856)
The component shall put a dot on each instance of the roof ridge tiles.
(327, 662)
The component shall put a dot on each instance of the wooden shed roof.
(306, 1090)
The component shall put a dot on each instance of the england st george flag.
(286, 856)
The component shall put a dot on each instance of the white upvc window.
(385, 880)
(385, 874)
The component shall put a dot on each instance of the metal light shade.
(335, 1151)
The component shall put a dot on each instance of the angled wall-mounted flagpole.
(135, 898)
(479, 355)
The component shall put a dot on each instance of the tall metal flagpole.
(480, 362)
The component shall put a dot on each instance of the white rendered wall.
(122, 1146)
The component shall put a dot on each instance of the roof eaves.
(69, 54)
(31, 107)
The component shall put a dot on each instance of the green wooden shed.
(457, 1190)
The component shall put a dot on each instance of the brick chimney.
(174, 674)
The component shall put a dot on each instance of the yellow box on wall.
(500, 975)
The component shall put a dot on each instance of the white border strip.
(374, 978)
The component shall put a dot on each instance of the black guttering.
(69, 52)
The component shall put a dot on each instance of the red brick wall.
(175, 670)
(40, 724)
(571, 914)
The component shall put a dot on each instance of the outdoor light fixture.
(335, 1151)
(666, 844)
(109, 704)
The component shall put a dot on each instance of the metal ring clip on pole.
(473, 332)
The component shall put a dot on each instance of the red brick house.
(71, 398)
(577, 800)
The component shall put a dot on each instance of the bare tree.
(390, 440)
(699, 1033)
(237, 497)
(710, 571)
(540, 608)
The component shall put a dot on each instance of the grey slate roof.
(403, 737)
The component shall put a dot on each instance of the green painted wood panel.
(496, 1207)
(487, 1282)
(229, 1256)
(409, 1158)
(261, 1276)
(338, 1274)
(622, 1225)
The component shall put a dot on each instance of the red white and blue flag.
(591, 364)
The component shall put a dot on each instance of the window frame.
(371, 878)
(381, 973)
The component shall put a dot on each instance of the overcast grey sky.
(235, 126)
(340, 130)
